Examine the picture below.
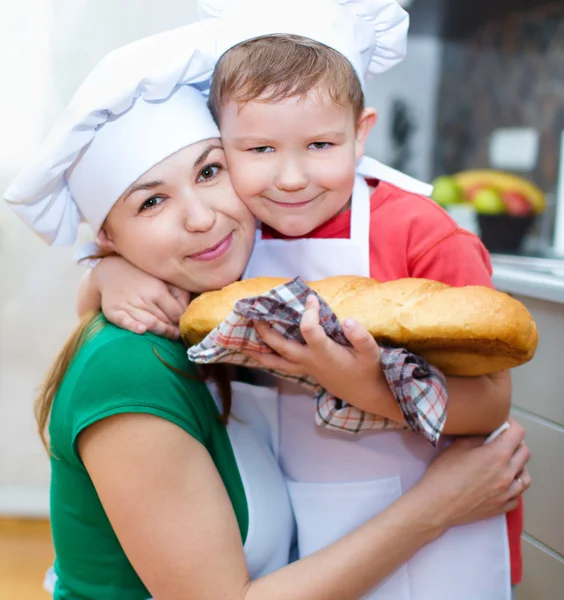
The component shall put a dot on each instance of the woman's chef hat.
(134, 110)
(371, 34)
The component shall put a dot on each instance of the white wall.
(415, 80)
(38, 285)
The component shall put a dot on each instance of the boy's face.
(292, 162)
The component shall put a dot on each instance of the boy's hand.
(136, 301)
(353, 374)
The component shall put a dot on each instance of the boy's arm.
(475, 403)
(131, 298)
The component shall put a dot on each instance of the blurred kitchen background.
(482, 89)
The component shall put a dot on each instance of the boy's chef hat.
(371, 34)
(133, 111)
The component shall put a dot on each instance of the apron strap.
(360, 211)
(369, 167)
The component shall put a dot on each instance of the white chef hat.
(371, 34)
(135, 109)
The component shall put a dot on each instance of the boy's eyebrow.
(260, 141)
(329, 134)
(255, 140)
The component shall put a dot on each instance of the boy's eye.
(151, 203)
(262, 149)
(320, 145)
(209, 172)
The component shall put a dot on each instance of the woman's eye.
(151, 203)
(320, 145)
(262, 149)
(209, 172)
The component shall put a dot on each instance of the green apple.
(446, 191)
(488, 202)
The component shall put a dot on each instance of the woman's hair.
(280, 66)
(89, 326)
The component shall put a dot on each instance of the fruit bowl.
(504, 233)
(505, 204)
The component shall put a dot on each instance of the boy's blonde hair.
(276, 67)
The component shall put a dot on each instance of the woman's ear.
(105, 241)
(364, 125)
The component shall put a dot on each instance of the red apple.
(516, 204)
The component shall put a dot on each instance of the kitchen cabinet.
(538, 404)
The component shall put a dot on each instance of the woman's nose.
(200, 217)
(291, 177)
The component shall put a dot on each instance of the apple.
(471, 191)
(488, 202)
(516, 204)
(446, 191)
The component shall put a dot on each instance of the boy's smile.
(293, 161)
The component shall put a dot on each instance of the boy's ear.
(364, 125)
(105, 241)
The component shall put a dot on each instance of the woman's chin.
(215, 282)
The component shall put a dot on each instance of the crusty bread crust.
(467, 331)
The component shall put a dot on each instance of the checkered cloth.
(419, 388)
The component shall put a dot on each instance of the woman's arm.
(172, 515)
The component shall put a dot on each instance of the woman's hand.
(471, 481)
(137, 301)
(353, 374)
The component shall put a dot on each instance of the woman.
(152, 495)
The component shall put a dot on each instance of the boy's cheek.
(245, 177)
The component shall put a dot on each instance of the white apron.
(338, 481)
(253, 431)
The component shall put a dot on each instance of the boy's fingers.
(314, 335)
(161, 315)
(288, 349)
(169, 308)
(276, 363)
(153, 324)
(125, 321)
(182, 296)
(360, 338)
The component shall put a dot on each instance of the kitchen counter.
(535, 278)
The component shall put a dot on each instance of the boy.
(293, 123)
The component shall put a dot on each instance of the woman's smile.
(214, 252)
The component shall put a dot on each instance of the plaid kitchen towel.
(419, 388)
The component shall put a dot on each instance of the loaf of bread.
(463, 331)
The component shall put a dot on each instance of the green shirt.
(116, 372)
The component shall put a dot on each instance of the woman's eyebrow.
(148, 185)
(205, 154)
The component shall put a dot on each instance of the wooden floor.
(26, 552)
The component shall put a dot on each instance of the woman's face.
(182, 221)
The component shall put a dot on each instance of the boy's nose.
(290, 177)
